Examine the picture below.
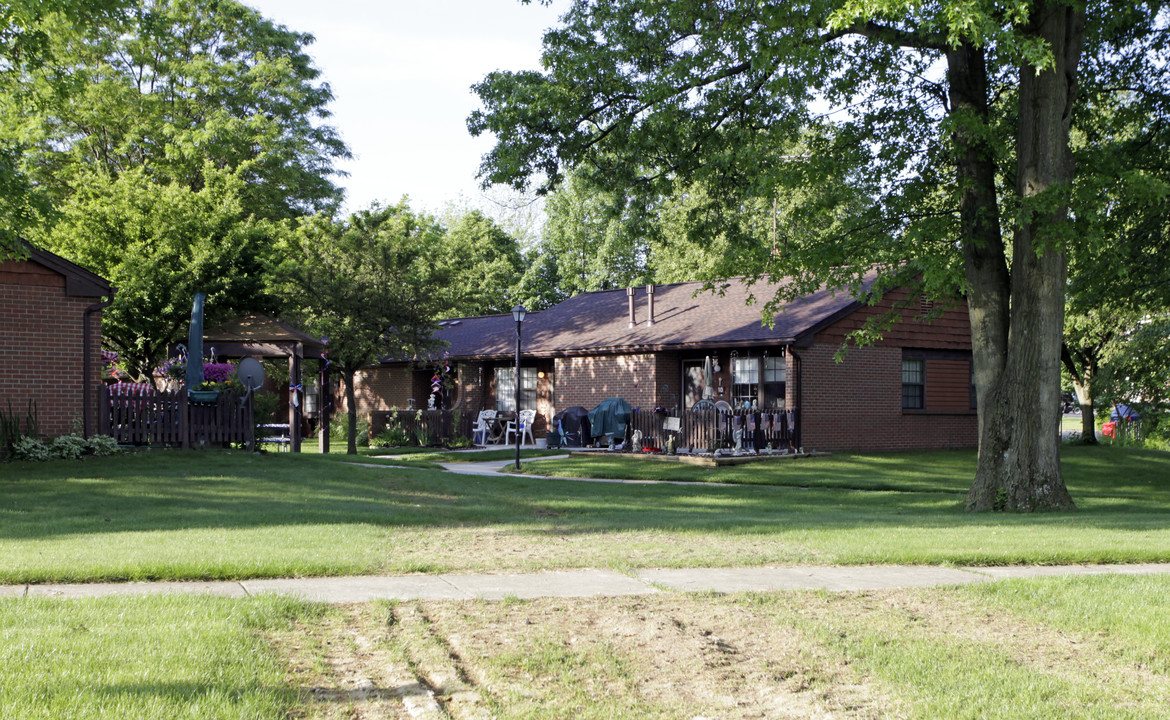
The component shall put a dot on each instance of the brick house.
(50, 352)
(912, 390)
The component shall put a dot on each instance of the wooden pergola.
(263, 337)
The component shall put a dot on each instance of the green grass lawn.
(144, 657)
(222, 515)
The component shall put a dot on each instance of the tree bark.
(1019, 445)
(988, 280)
(1082, 368)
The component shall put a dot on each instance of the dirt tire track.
(346, 667)
(696, 659)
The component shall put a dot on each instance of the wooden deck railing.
(713, 429)
(705, 429)
(426, 427)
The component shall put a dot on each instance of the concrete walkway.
(583, 583)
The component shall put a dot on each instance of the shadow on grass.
(171, 490)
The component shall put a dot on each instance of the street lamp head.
(518, 313)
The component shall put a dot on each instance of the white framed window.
(506, 388)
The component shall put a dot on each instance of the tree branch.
(890, 36)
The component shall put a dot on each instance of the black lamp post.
(518, 314)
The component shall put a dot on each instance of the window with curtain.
(745, 381)
(506, 388)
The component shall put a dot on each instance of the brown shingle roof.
(598, 322)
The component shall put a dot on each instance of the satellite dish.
(251, 373)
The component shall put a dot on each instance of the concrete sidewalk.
(583, 583)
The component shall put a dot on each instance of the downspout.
(86, 363)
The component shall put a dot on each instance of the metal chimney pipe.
(650, 297)
(630, 296)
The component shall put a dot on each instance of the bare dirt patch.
(682, 656)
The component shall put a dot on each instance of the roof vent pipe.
(650, 298)
(630, 297)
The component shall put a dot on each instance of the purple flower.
(218, 372)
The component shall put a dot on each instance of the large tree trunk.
(1082, 368)
(1088, 417)
(988, 280)
(1019, 424)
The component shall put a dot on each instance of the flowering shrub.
(218, 372)
(216, 376)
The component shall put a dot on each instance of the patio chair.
(483, 427)
(527, 418)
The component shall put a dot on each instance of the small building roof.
(258, 335)
(79, 282)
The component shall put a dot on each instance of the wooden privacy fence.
(713, 429)
(426, 427)
(154, 417)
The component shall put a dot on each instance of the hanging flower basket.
(206, 396)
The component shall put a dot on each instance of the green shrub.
(102, 445)
(68, 447)
(64, 447)
(30, 448)
(339, 429)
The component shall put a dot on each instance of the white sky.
(401, 73)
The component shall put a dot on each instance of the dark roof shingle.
(598, 322)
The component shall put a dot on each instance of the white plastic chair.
(527, 418)
(483, 427)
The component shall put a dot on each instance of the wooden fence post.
(184, 421)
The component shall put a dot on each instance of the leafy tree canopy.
(24, 46)
(480, 265)
(158, 245)
(173, 87)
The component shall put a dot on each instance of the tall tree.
(24, 47)
(970, 167)
(365, 283)
(481, 265)
(158, 245)
(171, 86)
(599, 237)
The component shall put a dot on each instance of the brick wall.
(857, 404)
(41, 348)
(586, 381)
(383, 388)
